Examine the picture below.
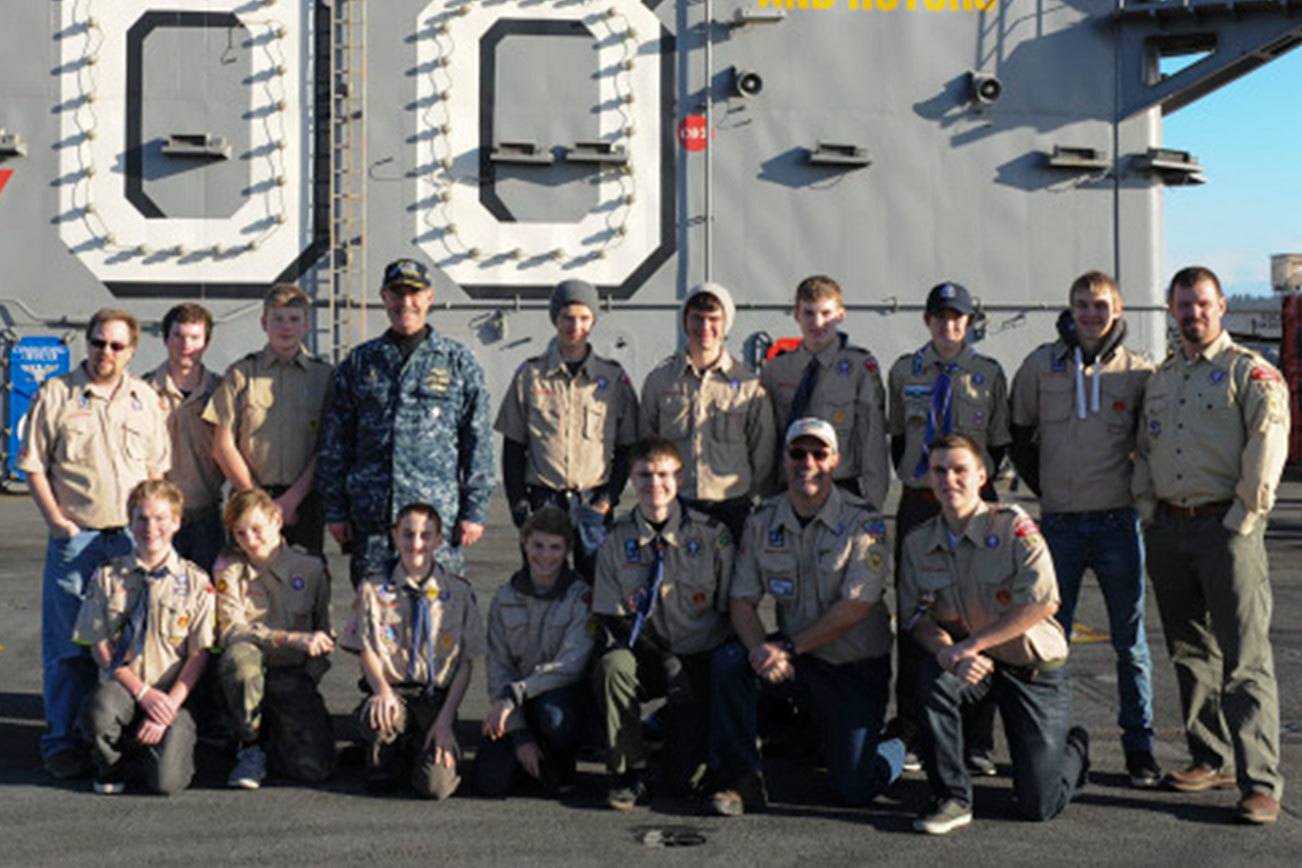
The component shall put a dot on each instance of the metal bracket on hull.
(1237, 36)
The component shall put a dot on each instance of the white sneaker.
(250, 768)
(943, 818)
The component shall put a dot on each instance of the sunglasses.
(101, 345)
(798, 453)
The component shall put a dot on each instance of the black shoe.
(69, 764)
(1078, 736)
(981, 765)
(111, 781)
(1143, 770)
(627, 791)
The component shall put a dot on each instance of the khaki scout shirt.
(1000, 563)
(95, 443)
(194, 470)
(1213, 429)
(179, 620)
(1085, 463)
(692, 612)
(537, 641)
(570, 424)
(841, 554)
(273, 406)
(849, 395)
(291, 592)
(384, 613)
(979, 404)
(720, 419)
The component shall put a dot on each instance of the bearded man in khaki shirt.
(1213, 438)
(91, 435)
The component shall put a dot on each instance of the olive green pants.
(390, 754)
(299, 741)
(1213, 593)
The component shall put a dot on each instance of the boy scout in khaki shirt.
(418, 631)
(268, 415)
(1213, 438)
(1075, 403)
(568, 420)
(822, 555)
(977, 592)
(660, 599)
(273, 619)
(828, 378)
(538, 650)
(184, 387)
(148, 619)
(714, 410)
(943, 387)
(91, 435)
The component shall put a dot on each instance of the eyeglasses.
(101, 345)
(798, 453)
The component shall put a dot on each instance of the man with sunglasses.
(91, 435)
(823, 557)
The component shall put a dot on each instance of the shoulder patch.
(1025, 526)
(1265, 373)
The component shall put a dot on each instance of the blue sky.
(1248, 137)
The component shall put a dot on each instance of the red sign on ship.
(692, 133)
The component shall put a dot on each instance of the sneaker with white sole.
(110, 782)
(944, 817)
(250, 768)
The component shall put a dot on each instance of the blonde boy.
(148, 619)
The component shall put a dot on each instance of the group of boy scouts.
(745, 485)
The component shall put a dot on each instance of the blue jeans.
(849, 705)
(68, 672)
(1036, 710)
(554, 721)
(1108, 542)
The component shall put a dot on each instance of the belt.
(924, 494)
(1198, 511)
(115, 529)
(568, 494)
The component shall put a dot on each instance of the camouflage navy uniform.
(387, 439)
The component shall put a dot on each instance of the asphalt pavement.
(43, 821)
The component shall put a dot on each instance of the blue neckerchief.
(651, 591)
(131, 644)
(422, 624)
(940, 418)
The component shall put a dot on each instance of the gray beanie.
(572, 291)
(717, 291)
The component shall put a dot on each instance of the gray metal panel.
(196, 80)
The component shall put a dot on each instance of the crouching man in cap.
(978, 593)
(824, 558)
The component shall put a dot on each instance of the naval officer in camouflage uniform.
(1213, 439)
(408, 423)
(978, 594)
(91, 436)
(714, 410)
(1074, 408)
(821, 554)
(568, 420)
(829, 378)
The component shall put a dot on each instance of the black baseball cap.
(949, 296)
(405, 274)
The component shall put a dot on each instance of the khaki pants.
(390, 754)
(299, 741)
(1213, 592)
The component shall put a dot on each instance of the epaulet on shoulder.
(768, 503)
(855, 348)
(1012, 509)
(695, 516)
(250, 357)
(625, 517)
(787, 351)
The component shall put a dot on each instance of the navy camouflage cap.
(405, 274)
(949, 296)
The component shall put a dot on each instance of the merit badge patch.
(222, 586)
(183, 621)
(432, 593)
(630, 551)
(875, 562)
(446, 641)
(390, 635)
(875, 526)
(781, 587)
